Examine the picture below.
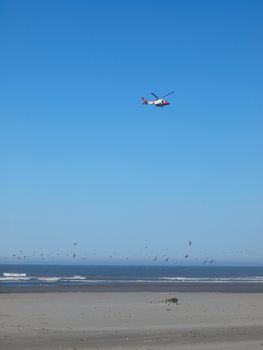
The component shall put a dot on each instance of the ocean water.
(44, 275)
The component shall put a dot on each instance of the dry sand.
(141, 320)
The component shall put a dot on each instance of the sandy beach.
(138, 320)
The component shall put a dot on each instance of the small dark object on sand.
(171, 300)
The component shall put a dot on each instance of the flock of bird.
(161, 258)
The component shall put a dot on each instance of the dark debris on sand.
(172, 300)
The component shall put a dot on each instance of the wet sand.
(131, 320)
(189, 287)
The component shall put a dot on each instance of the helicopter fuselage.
(157, 103)
(160, 102)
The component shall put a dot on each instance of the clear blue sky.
(82, 160)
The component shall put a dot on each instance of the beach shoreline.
(186, 287)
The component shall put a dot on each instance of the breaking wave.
(79, 275)
(213, 280)
(12, 274)
(22, 277)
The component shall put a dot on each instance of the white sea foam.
(62, 279)
(213, 279)
(73, 278)
(48, 279)
(14, 279)
(12, 274)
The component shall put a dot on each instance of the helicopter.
(158, 102)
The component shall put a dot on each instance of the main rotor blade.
(154, 95)
(168, 94)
